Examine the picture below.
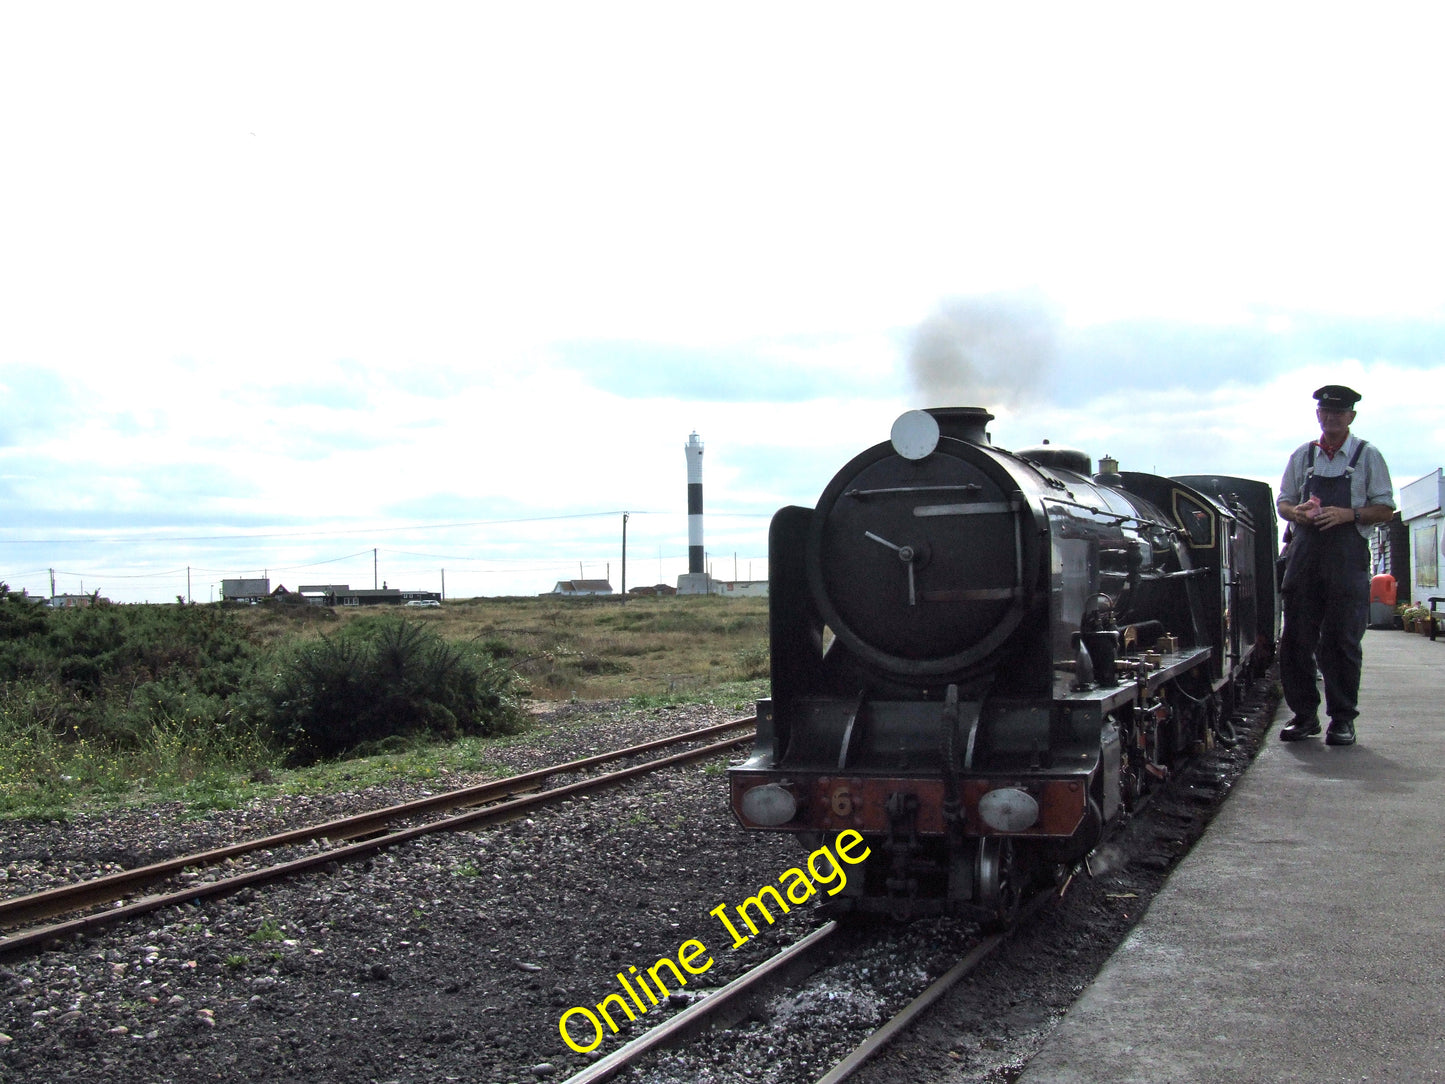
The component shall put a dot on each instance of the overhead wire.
(468, 564)
(310, 533)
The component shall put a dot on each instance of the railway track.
(794, 964)
(714, 1010)
(115, 897)
(451, 951)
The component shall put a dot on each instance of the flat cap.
(1338, 397)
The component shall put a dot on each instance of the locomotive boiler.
(981, 659)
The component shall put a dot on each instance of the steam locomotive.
(983, 659)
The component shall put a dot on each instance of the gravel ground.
(454, 956)
(451, 957)
(986, 1029)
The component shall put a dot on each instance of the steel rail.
(701, 1012)
(715, 1009)
(940, 986)
(63, 899)
(508, 810)
(910, 1012)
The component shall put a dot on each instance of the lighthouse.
(695, 581)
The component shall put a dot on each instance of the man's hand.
(1332, 516)
(1303, 513)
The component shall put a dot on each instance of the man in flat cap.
(1334, 490)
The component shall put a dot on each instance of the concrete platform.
(1303, 938)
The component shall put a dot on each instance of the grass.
(651, 652)
(268, 931)
(44, 774)
(593, 648)
(579, 649)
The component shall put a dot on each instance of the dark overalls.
(1326, 605)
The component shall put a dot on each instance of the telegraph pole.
(624, 555)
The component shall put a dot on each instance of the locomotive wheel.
(999, 882)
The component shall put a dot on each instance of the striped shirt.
(1370, 483)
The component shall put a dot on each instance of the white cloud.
(333, 267)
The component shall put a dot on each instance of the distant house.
(72, 602)
(322, 594)
(700, 583)
(245, 590)
(340, 594)
(576, 588)
(748, 588)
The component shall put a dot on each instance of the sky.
(432, 295)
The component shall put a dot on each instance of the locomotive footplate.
(1139, 677)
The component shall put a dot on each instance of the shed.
(575, 588)
(1422, 509)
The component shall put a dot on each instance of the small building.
(700, 583)
(72, 602)
(245, 590)
(694, 583)
(741, 588)
(321, 594)
(376, 596)
(1422, 510)
(340, 594)
(578, 588)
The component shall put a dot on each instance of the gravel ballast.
(451, 957)
(454, 956)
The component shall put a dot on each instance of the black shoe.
(1300, 728)
(1341, 732)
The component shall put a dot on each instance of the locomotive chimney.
(963, 423)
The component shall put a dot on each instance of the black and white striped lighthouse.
(693, 449)
(695, 582)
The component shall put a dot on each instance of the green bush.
(385, 679)
(112, 671)
(20, 616)
(755, 661)
(105, 699)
